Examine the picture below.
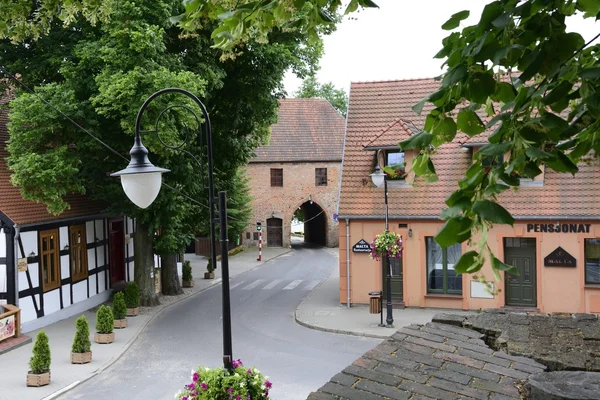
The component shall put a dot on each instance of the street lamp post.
(379, 178)
(141, 182)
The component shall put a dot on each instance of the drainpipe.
(347, 262)
(17, 230)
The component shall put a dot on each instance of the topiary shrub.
(119, 306)
(104, 320)
(40, 362)
(81, 342)
(187, 271)
(132, 295)
(209, 266)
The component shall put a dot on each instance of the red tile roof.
(26, 212)
(306, 130)
(375, 107)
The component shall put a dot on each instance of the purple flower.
(236, 363)
(268, 384)
(238, 397)
(190, 386)
(204, 386)
(229, 390)
(249, 397)
(249, 371)
(195, 377)
(184, 398)
(266, 394)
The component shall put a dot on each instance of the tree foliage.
(311, 88)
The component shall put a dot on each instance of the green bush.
(119, 306)
(187, 271)
(104, 320)
(40, 362)
(81, 342)
(132, 295)
(209, 266)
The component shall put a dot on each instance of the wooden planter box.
(81, 358)
(38, 380)
(209, 275)
(104, 338)
(120, 323)
(188, 283)
(132, 312)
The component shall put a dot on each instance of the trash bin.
(375, 302)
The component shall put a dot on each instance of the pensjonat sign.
(559, 228)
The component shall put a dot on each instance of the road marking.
(293, 284)
(61, 391)
(273, 284)
(236, 285)
(254, 284)
(311, 285)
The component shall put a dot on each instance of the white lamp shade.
(142, 189)
(377, 178)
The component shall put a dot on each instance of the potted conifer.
(104, 325)
(132, 299)
(39, 375)
(210, 270)
(81, 350)
(119, 311)
(186, 279)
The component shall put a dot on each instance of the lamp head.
(378, 176)
(141, 180)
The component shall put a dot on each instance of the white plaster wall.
(130, 224)
(65, 268)
(2, 302)
(63, 236)
(66, 295)
(3, 284)
(92, 279)
(101, 281)
(51, 301)
(80, 291)
(3, 244)
(33, 273)
(27, 309)
(130, 267)
(91, 259)
(100, 229)
(30, 243)
(89, 231)
(100, 252)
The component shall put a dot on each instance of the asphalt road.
(297, 360)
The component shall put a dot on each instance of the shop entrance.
(520, 289)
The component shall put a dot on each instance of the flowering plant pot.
(395, 172)
(37, 380)
(386, 244)
(81, 358)
(241, 383)
(120, 323)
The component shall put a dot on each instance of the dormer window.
(395, 165)
(491, 161)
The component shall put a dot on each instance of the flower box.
(81, 358)
(104, 338)
(120, 323)
(38, 380)
(132, 312)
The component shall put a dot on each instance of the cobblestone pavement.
(432, 361)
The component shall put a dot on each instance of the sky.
(398, 41)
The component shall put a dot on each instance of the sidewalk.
(65, 376)
(322, 310)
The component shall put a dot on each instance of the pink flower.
(204, 386)
(249, 371)
(268, 384)
(195, 377)
(229, 390)
(190, 386)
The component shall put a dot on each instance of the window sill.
(527, 182)
(398, 184)
(592, 286)
(444, 296)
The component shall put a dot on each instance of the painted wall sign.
(560, 258)
(22, 264)
(559, 228)
(361, 247)
(7, 327)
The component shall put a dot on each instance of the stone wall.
(298, 187)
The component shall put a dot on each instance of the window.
(78, 250)
(255, 235)
(320, 176)
(441, 277)
(592, 260)
(492, 161)
(276, 177)
(248, 235)
(395, 161)
(49, 260)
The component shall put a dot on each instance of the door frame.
(269, 232)
(536, 270)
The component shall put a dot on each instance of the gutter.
(347, 263)
(437, 217)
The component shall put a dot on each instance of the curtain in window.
(435, 271)
(453, 255)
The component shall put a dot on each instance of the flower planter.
(209, 275)
(81, 358)
(38, 380)
(120, 323)
(104, 338)
(189, 283)
(132, 312)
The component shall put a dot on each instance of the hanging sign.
(559, 258)
(22, 264)
(361, 247)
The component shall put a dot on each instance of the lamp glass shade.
(143, 188)
(377, 177)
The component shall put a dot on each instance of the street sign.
(361, 247)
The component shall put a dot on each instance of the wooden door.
(520, 289)
(274, 232)
(116, 251)
(396, 281)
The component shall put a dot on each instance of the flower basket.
(386, 244)
(241, 384)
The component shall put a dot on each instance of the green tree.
(311, 88)
(40, 361)
(81, 341)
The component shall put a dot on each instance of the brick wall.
(298, 185)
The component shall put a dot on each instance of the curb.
(110, 362)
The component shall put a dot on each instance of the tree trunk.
(144, 265)
(168, 276)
